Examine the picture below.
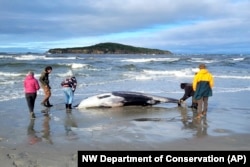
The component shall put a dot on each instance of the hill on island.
(108, 48)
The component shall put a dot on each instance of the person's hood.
(29, 77)
(203, 71)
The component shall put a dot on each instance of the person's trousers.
(202, 105)
(69, 95)
(30, 98)
(194, 102)
(47, 94)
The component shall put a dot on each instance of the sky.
(179, 26)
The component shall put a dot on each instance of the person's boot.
(48, 104)
(195, 106)
(70, 106)
(32, 115)
(66, 106)
(44, 104)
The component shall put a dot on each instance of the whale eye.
(105, 96)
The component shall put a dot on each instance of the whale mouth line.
(105, 96)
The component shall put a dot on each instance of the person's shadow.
(70, 122)
(46, 128)
(32, 136)
(201, 125)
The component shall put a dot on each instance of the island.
(108, 48)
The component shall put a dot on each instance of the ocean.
(228, 110)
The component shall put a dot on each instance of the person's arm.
(63, 82)
(37, 85)
(211, 81)
(42, 79)
(195, 83)
(187, 93)
(74, 83)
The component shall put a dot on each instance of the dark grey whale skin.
(141, 99)
(128, 98)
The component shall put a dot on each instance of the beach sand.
(47, 143)
(36, 155)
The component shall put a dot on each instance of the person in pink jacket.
(31, 86)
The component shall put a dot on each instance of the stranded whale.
(123, 98)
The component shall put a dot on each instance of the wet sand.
(66, 155)
(53, 139)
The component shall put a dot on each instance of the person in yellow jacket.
(203, 83)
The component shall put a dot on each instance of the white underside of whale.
(102, 100)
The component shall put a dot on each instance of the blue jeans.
(69, 95)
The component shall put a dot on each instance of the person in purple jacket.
(31, 86)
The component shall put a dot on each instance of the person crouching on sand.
(188, 92)
(44, 80)
(31, 86)
(69, 87)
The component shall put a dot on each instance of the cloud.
(179, 26)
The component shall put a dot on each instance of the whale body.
(123, 98)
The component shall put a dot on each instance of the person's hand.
(180, 102)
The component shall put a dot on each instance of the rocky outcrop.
(108, 48)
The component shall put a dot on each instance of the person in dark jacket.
(188, 92)
(203, 83)
(69, 87)
(44, 80)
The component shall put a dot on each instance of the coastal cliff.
(108, 48)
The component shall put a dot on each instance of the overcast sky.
(180, 26)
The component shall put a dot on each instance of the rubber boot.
(70, 106)
(48, 104)
(66, 106)
(195, 105)
(32, 115)
(44, 104)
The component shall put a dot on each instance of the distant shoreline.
(108, 48)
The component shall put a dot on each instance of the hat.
(202, 66)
